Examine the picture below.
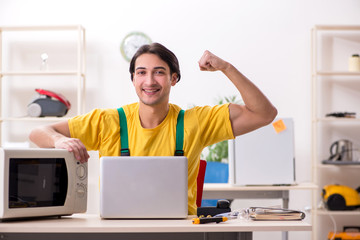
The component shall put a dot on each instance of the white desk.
(228, 191)
(91, 227)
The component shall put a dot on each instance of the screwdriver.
(209, 220)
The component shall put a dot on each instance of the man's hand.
(210, 62)
(75, 146)
(58, 135)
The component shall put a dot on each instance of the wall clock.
(132, 42)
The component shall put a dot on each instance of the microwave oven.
(36, 182)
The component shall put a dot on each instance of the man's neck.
(152, 116)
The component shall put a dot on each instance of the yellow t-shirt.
(203, 126)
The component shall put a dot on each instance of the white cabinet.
(47, 57)
(334, 90)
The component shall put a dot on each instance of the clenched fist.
(210, 62)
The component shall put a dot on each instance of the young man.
(152, 121)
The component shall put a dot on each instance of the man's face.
(152, 79)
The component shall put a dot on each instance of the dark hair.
(162, 52)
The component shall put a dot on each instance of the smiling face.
(152, 80)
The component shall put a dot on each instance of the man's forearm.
(44, 137)
(58, 136)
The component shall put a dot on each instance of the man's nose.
(150, 79)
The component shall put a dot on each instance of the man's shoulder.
(207, 110)
(95, 114)
(177, 109)
(131, 109)
(174, 107)
(103, 111)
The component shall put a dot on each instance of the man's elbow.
(270, 116)
(39, 136)
(33, 136)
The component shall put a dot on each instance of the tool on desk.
(222, 206)
(231, 215)
(203, 220)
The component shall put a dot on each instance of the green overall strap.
(125, 151)
(180, 134)
(123, 133)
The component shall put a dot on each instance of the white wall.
(269, 41)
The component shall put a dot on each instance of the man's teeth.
(146, 90)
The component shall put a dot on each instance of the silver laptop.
(143, 187)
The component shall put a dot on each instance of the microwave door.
(37, 182)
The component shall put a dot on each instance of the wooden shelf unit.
(78, 72)
(325, 70)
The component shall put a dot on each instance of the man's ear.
(174, 78)
(132, 79)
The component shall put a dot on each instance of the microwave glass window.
(37, 182)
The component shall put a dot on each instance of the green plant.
(230, 99)
(218, 152)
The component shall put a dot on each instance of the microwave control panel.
(81, 187)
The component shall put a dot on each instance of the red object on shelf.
(58, 96)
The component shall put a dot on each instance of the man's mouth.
(151, 90)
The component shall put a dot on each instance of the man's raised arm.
(257, 110)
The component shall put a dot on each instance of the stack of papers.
(274, 214)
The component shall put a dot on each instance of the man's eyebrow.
(140, 68)
(159, 67)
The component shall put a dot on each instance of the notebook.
(265, 156)
(143, 187)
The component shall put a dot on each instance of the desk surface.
(228, 191)
(214, 187)
(85, 223)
